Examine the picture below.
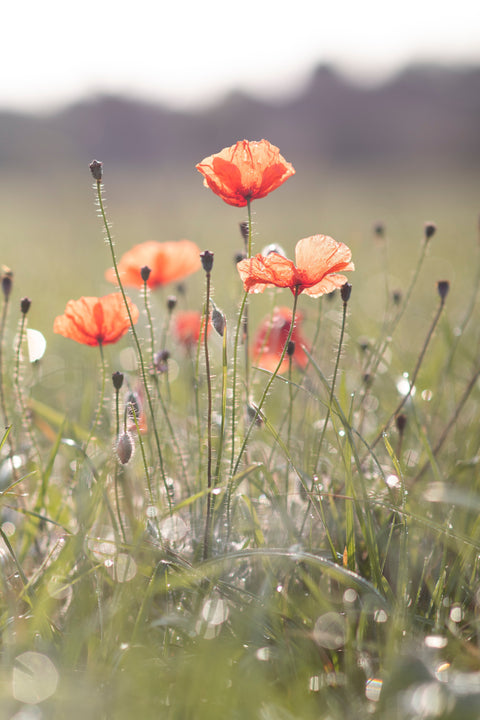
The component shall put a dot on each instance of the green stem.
(268, 385)
(135, 338)
(206, 541)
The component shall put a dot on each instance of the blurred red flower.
(318, 259)
(271, 337)
(245, 171)
(95, 321)
(187, 326)
(167, 261)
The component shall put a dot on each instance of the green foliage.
(340, 576)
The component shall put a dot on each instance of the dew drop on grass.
(125, 568)
(403, 386)
(380, 616)
(36, 345)
(174, 529)
(435, 641)
(393, 481)
(350, 596)
(373, 688)
(456, 613)
(35, 678)
(263, 654)
(330, 630)
(8, 528)
(314, 683)
(215, 611)
(427, 395)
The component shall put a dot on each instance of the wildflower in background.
(271, 337)
(96, 321)
(187, 326)
(167, 262)
(318, 261)
(245, 171)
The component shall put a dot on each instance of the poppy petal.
(262, 271)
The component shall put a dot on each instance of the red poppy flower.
(318, 260)
(95, 321)
(271, 337)
(167, 261)
(245, 171)
(187, 326)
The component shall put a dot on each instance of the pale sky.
(184, 53)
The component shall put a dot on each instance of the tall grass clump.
(268, 512)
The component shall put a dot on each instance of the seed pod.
(124, 447)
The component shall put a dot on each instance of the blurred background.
(377, 107)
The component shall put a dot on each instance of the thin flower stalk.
(327, 416)
(415, 372)
(206, 541)
(378, 354)
(267, 387)
(25, 415)
(98, 413)
(146, 296)
(135, 337)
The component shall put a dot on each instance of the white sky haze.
(188, 53)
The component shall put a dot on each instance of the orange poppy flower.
(187, 326)
(318, 259)
(271, 337)
(167, 261)
(95, 321)
(245, 171)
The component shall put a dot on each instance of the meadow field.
(217, 526)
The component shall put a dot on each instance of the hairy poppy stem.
(246, 342)
(268, 385)
(135, 338)
(414, 373)
(3, 402)
(234, 379)
(26, 421)
(206, 540)
(327, 416)
(98, 413)
(157, 384)
(376, 357)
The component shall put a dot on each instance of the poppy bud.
(117, 379)
(25, 305)
(160, 361)
(379, 230)
(291, 349)
(253, 413)
(401, 422)
(96, 168)
(218, 321)
(124, 447)
(145, 273)
(429, 229)
(244, 230)
(132, 405)
(171, 302)
(207, 260)
(238, 257)
(7, 282)
(368, 380)
(443, 286)
(346, 291)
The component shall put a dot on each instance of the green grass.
(341, 561)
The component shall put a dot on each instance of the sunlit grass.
(340, 562)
